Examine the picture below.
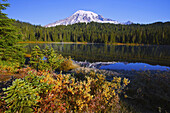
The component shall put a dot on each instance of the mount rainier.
(82, 16)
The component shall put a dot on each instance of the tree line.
(157, 33)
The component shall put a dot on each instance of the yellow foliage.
(68, 64)
(90, 95)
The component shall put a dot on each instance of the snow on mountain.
(82, 16)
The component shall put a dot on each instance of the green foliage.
(10, 67)
(24, 94)
(156, 33)
(3, 7)
(38, 83)
(53, 60)
(36, 58)
(8, 38)
(14, 54)
(20, 96)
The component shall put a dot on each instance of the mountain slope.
(82, 16)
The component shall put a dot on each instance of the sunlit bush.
(67, 64)
(49, 60)
(8, 67)
(24, 94)
(90, 95)
(46, 92)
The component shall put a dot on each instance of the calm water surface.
(136, 57)
(135, 66)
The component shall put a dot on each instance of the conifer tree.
(9, 50)
(53, 60)
(36, 59)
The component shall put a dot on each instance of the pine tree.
(53, 60)
(9, 50)
(36, 59)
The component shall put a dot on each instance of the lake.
(154, 57)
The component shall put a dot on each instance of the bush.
(90, 95)
(45, 92)
(67, 64)
(53, 59)
(46, 60)
(8, 67)
(24, 94)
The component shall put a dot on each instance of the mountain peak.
(83, 12)
(82, 16)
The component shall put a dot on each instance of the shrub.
(20, 96)
(46, 60)
(53, 59)
(9, 67)
(67, 64)
(45, 92)
(90, 95)
(25, 93)
(36, 58)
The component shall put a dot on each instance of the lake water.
(128, 57)
(135, 66)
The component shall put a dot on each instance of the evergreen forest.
(155, 34)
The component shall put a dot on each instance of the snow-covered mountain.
(82, 16)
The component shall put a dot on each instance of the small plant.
(46, 60)
(8, 67)
(53, 60)
(67, 64)
(20, 97)
(24, 94)
(36, 57)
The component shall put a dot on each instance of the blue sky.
(42, 12)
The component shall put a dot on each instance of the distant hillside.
(156, 33)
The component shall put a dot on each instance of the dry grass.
(39, 42)
(129, 44)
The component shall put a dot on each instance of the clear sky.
(42, 12)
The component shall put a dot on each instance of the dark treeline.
(154, 55)
(156, 33)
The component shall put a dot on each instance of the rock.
(96, 65)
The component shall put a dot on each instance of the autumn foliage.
(64, 93)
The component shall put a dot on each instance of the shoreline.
(40, 42)
(87, 67)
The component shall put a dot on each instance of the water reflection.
(156, 55)
(135, 66)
